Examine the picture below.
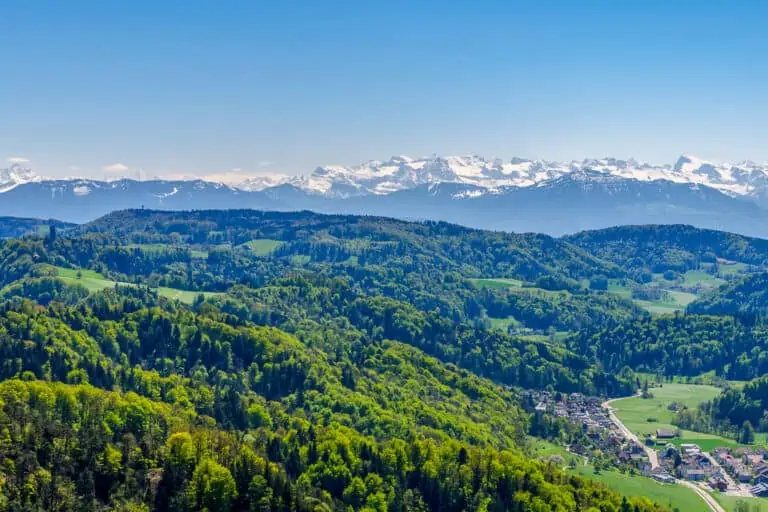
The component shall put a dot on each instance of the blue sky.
(199, 88)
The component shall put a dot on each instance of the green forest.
(244, 360)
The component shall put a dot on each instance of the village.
(734, 471)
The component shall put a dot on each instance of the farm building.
(666, 433)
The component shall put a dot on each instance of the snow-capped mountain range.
(516, 195)
(382, 177)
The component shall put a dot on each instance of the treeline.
(447, 245)
(222, 414)
(658, 248)
(426, 264)
(688, 345)
(432, 275)
(563, 311)
(737, 410)
(292, 303)
(223, 367)
(67, 447)
(15, 227)
(746, 297)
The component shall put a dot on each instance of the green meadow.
(635, 413)
(262, 246)
(676, 301)
(730, 503)
(497, 283)
(94, 282)
(670, 495)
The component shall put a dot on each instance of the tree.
(259, 494)
(355, 493)
(258, 416)
(212, 487)
(747, 434)
(51, 235)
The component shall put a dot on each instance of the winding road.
(654, 458)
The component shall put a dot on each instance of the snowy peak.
(743, 178)
(478, 176)
(380, 177)
(16, 175)
(265, 181)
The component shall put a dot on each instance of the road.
(654, 458)
(734, 489)
(708, 499)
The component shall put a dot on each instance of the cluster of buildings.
(583, 410)
(740, 470)
(600, 431)
(688, 462)
(748, 466)
(634, 455)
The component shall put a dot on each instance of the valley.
(495, 345)
(223, 288)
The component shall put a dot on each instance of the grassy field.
(706, 378)
(498, 283)
(94, 282)
(676, 301)
(186, 296)
(729, 502)
(669, 495)
(158, 248)
(634, 413)
(504, 323)
(541, 448)
(732, 267)
(515, 286)
(300, 259)
(150, 247)
(699, 277)
(262, 246)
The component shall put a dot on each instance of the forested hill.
(747, 296)
(244, 360)
(669, 247)
(449, 245)
(248, 361)
(12, 227)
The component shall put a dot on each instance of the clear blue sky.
(201, 87)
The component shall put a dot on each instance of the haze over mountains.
(517, 195)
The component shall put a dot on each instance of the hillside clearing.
(94, 282)
(262, 246)
(498, 283)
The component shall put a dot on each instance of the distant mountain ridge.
(520, 195)
(381, 177)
